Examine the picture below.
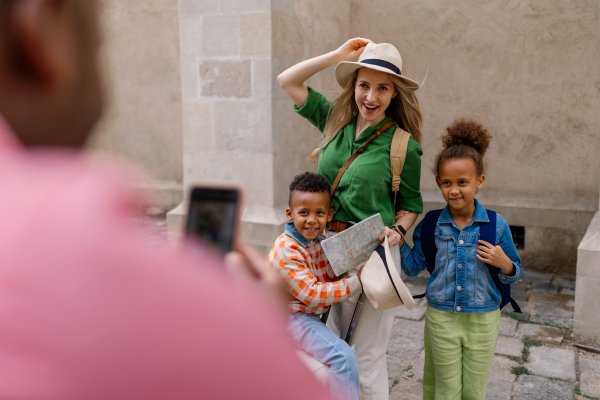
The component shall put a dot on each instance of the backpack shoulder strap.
(397, 157)
(487, 231)
(428, 238)
(428, 241)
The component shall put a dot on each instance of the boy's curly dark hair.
(464, 138)
(309, 182)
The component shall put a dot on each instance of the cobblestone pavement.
(535, 358)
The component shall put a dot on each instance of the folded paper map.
(353, 246)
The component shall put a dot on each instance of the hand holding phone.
(213, 216)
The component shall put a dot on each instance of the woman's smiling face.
(373, 93)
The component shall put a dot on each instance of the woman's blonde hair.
(403, 109)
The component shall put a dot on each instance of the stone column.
(227, 113)
(239, 125)
(586, 320)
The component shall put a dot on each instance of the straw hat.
(381, 57)
(382, 283)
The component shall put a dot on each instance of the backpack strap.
(487, 232)
(397, 157)
(428, 241)
(428, 238)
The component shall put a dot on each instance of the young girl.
(463, 316)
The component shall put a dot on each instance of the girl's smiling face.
(459, 181)
(373, 93)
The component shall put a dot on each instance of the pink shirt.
(90, 311)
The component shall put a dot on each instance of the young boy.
(298, 257)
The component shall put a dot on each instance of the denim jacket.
(460, 281)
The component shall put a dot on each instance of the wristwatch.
(398, 228)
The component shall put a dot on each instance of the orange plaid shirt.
(307, 273)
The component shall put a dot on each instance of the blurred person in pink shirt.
(87, 309)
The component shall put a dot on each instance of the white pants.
(371, 336)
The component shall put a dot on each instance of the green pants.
(459, 349)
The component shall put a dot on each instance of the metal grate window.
(518, 236)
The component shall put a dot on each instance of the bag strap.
(428, 238)
(358, 151)
(397, 158)
(428, 241)
(487, 232)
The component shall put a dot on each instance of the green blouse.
(366, 187)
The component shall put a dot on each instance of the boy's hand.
(494, 255)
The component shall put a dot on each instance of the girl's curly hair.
(464, 138)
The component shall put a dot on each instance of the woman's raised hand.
(352, 49)
(292, 79)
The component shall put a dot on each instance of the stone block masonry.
(226, 79)
(227, 92)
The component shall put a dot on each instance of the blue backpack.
(487, 232)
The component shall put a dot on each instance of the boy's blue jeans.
(312, 336)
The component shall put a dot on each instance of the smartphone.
(213, 215)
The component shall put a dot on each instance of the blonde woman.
(374, 92)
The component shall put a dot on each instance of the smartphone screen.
(212, 216)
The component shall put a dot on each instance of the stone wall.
(143, 120)
(527, 69)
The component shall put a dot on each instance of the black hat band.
(381, 251)
(382, 63)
